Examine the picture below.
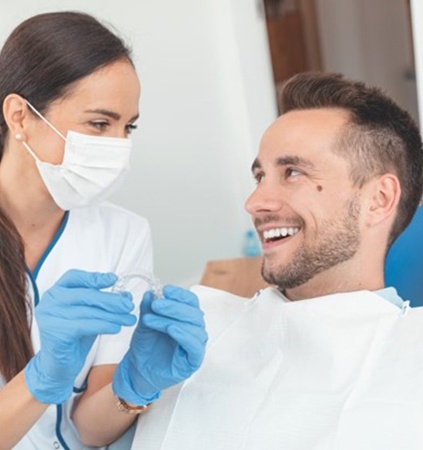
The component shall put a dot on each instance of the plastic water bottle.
(252, 246)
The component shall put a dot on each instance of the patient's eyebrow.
(256, 165)
(287, 161)
(295, 161)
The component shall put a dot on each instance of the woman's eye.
(131, 127)
(99, 125)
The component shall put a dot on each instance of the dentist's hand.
(70, 316)
(168, 346)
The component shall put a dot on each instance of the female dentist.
(70, 95)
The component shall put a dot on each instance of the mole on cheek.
(319, 188)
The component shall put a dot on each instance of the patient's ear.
(384, 195)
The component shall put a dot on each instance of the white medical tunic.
(105, 238)
(340, 372)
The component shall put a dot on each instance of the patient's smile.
(276, 234)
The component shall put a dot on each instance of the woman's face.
(104, 103)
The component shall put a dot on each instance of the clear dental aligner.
(152, 281)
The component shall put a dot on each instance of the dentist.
(69, 95)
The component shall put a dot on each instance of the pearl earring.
(18, 136)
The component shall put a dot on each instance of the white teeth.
(277, 232)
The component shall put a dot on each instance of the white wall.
(417, 20)
(207, 97)
(369, 40)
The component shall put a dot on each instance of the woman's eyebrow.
(112, 114)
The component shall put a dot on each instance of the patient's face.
(305, 207)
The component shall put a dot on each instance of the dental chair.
(404, 263)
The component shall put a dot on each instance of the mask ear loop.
(29, 150)
(152, 281)
(45, 120)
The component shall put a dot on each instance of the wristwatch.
(123, 406)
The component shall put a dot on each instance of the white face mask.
(93, 168)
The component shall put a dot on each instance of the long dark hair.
(40, 61)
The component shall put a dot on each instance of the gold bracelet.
(129, 409)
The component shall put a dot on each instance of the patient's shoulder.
(220, 308)
(214, 296)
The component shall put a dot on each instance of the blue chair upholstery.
(404, 263)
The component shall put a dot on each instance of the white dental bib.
(341, 372)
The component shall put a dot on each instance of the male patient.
(331, 358)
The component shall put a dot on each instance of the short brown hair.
(381, 137)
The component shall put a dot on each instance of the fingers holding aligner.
(177, 314)
(77, 297)
(181, 295)
(75, 278)
(177, 303)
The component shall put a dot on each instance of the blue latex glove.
(70, 316)
(167, 346)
